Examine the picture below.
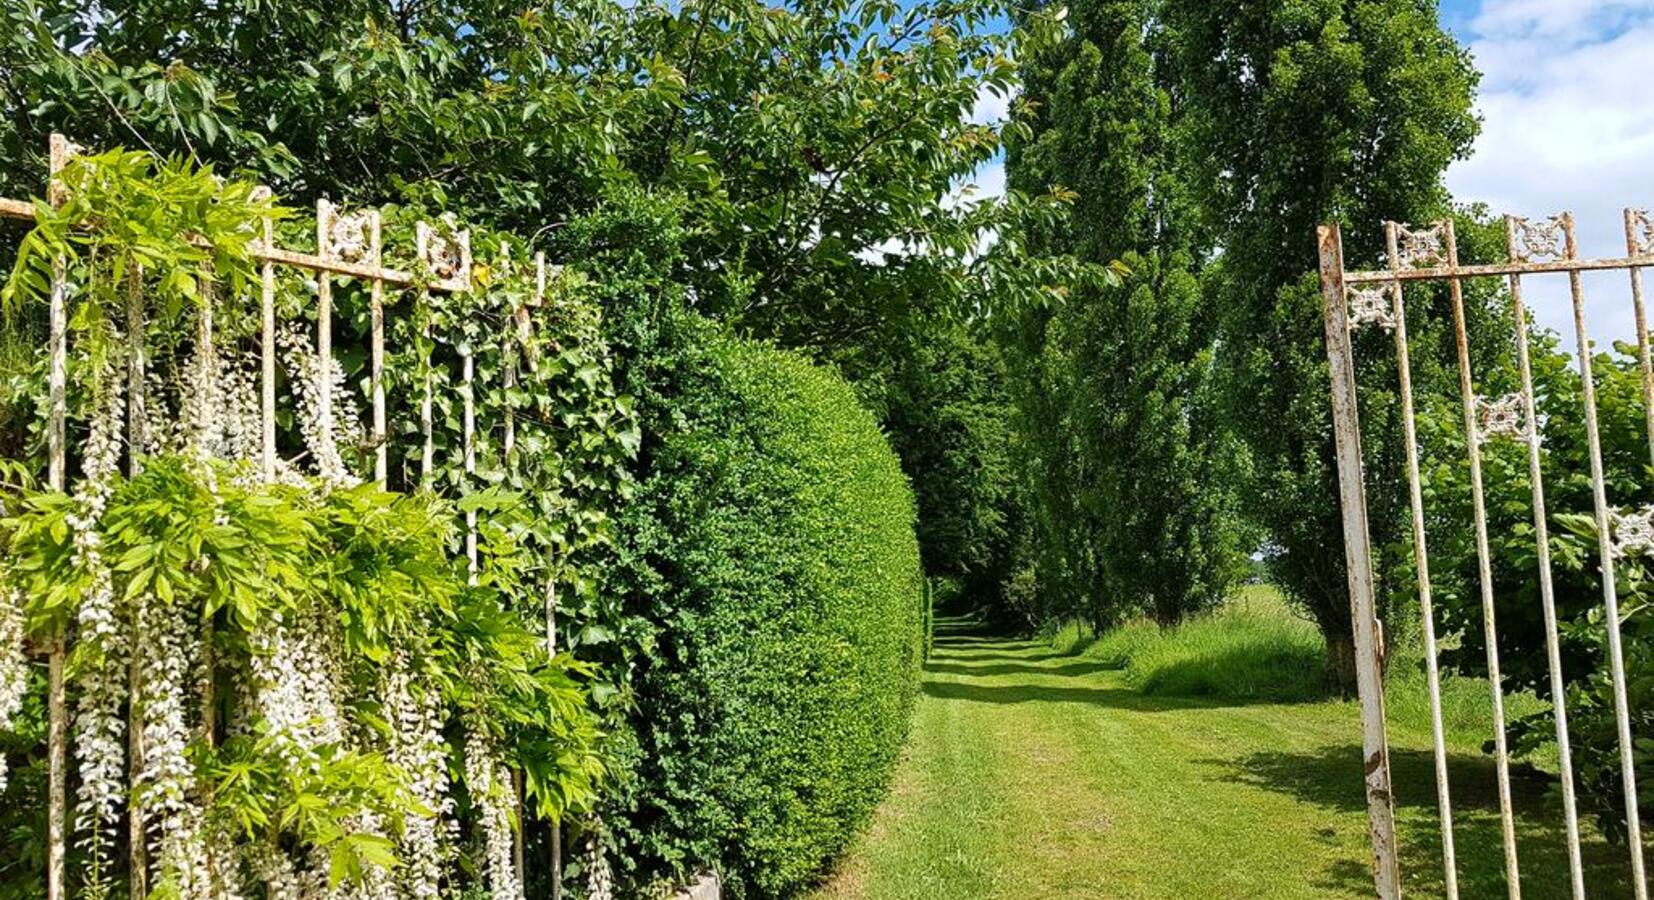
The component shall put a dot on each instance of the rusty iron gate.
(1376, 299)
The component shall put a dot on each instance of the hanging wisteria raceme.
(489, 784)
(14, 664)
(295, 684)
(100, 749)
(325, 427)
(200, 427)
(239, 407)
(166, 782)
(600, 878)
(417, 748)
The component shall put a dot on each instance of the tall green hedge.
(774, 542)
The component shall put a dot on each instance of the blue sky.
(1567, 123)
(1567, 105)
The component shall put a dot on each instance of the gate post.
(1358, 557)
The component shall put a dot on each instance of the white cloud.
(1567, 125)
(1564, 19)
(992, 107)
(987, 183)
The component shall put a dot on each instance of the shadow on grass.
(973, 656)
(968, 639)
(1331, 777)
(1018, 666)
(1115, 697)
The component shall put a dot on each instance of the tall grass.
(1256, 647)
(1252, 648)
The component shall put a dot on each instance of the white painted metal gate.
(1376, 299)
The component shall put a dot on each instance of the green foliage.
(1128, 472)
(1575, 565)
(944, 402)
(369, 566)
(801, 139)
(773, 543)
(1298, 112)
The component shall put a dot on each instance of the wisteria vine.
(272, 678)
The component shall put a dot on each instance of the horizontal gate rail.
(23, 210)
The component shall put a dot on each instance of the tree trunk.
(1341, 663)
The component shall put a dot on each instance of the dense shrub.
(773, 544)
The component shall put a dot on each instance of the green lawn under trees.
(785, 382)
(1038, 770)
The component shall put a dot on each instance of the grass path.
(1034, 775)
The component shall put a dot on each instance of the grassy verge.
(1251, 649)
(1042, 772)
(1256, 647)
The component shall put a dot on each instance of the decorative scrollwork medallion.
(445, 250)
(1540, 241)
(1422, 248)
(1632, 534)
(347, 236)
(1501, 418)
(1641, 232)
(1373, 305)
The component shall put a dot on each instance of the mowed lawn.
(1032, 774)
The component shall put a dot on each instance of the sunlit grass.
(1045, 770)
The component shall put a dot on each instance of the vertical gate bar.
(208, 352)
(427, 459)
(57, 478)
(508, 362)
(324, 321)
(267, 355)
(509, 378)
(1635, 250)
(551, 616)
(1547, 593)
(1421, 557)
(205, 350)
(1358, 556)
(470, 425)
(1605, 552)
(137, 857)
(1490, 631)
(381, 440)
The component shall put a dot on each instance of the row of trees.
(1177, 423)
(1170, 425)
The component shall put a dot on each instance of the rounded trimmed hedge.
(777, 530)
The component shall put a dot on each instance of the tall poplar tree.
(1298, 112)
(1133, 507)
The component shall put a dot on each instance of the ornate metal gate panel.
(1376, 299)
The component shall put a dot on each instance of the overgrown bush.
(773, 544)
